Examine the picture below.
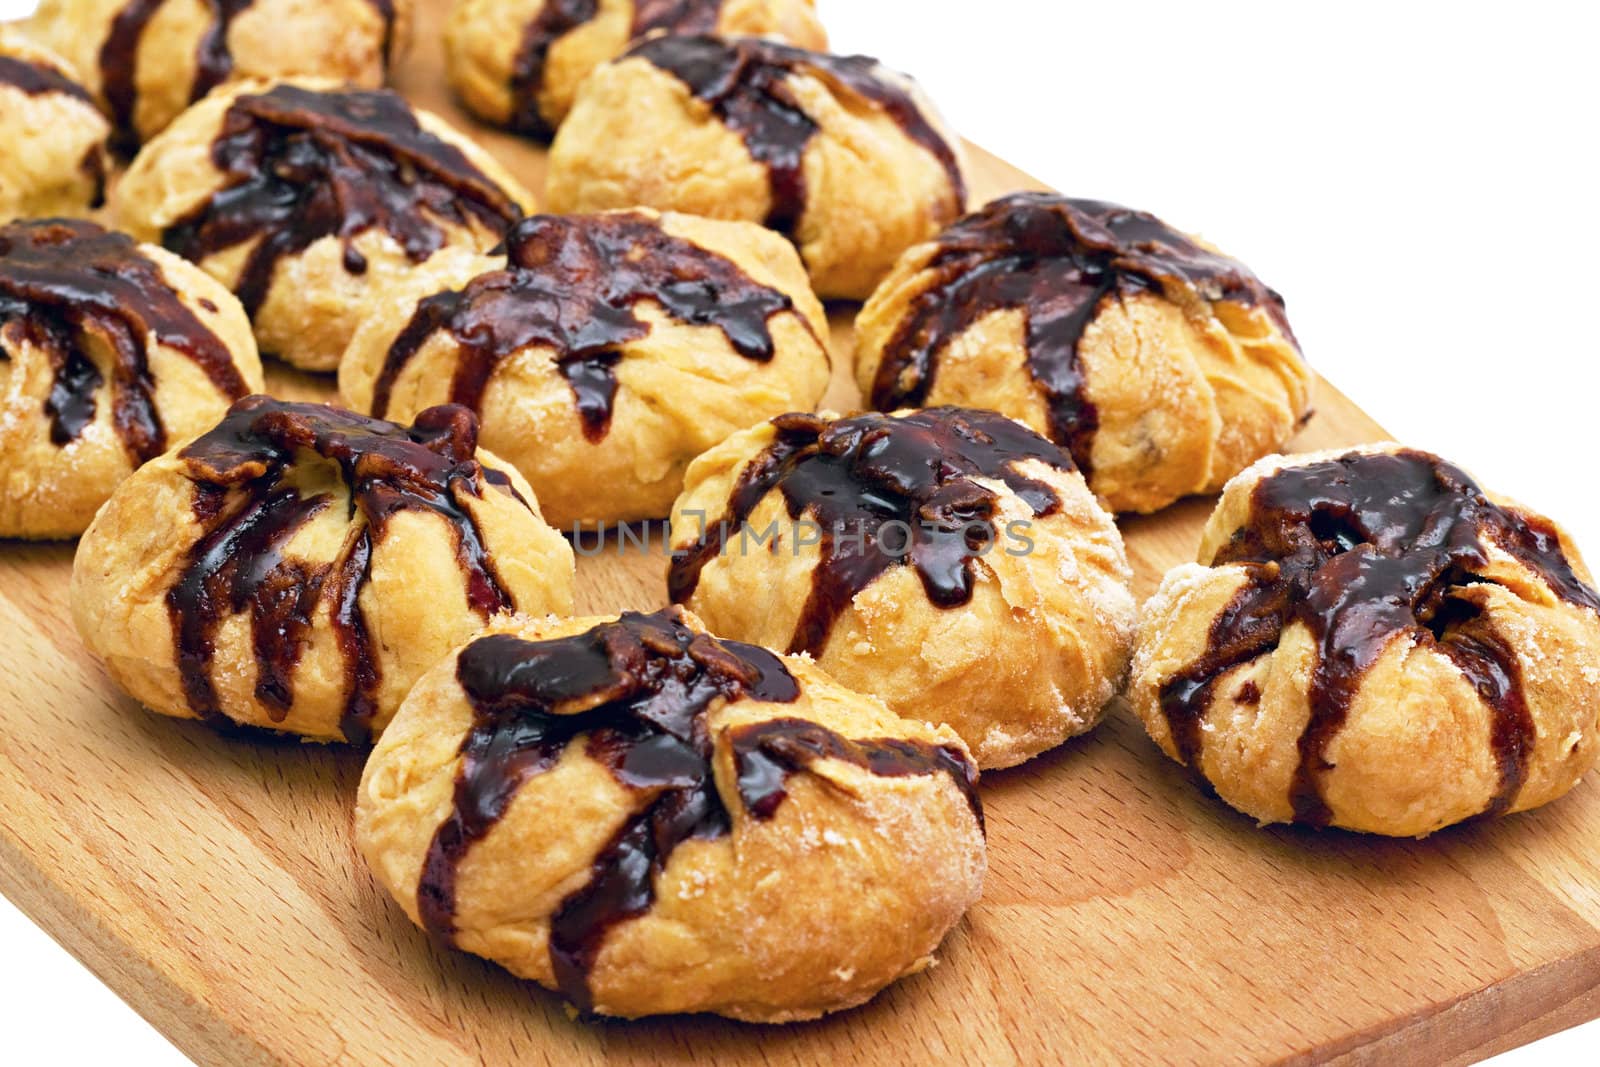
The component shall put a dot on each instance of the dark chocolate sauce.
(557, 18)
(675, 16)
(303, 165)
(637, 691)
(1365, 550)
(94, 166)
(857, 476)
(744, 80)
(571, 283)
(386, 12)
(1059, 261)
(40, 79)
(63, 282)
(119, 57)
(765, 754)
(250, 508)
(214, 63)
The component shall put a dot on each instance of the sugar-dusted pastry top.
(1362, 550)
(854, 476)
(744, 82)
(637, 691)
(1059, 261)
(62, 282)
(301, 165)
(238, 560)
(572, 284)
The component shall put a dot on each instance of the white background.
(1417, 178)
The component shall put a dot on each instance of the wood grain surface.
(212, 882)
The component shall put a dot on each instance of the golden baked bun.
(1373, 642)
(109, 350)
(843, 156)
(518, 63)
(306, 198)
(605, 355)
(650, 820)
(55, 157)
(951, 562)
(297, 567)
(148, 60)
(1163, 366)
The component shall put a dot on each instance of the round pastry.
(650, 820)
(55, 160)
(147, 60)
(1373, 642)
(518, 63)
(298, 567)
(306, 198)
(846, 158)
(608, 351)
(109, 350)
(949, 561)
(1163, 366)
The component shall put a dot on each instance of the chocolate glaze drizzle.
(856, 476)
(119, 57)
(38, 79)
(1365, 550)
(215, 60)
(675, 16)
(250, 508)
(386, 11)
(63, 282)
(638, 692)
(765, 755)
(94, 166)
(571, 283)
(304, 165)
(118, 66)
(557, 18)
(744, 80)
(1059, 261)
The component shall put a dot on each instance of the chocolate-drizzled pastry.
(1374, 642)
(518, 63)
(603, 351)
(147, 60)
(110, 351)
(55, 158)
(1163, 366)
(298, 566)
(844, 157)
(651, 820)
(949, 561)
(307, 198)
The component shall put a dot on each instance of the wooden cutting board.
(214, 885)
